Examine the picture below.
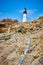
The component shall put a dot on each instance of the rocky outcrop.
(13, 45)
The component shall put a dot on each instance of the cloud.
(41, 14)
(30, 12)
(1, 13)
(20, 11)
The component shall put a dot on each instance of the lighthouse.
(24, 15)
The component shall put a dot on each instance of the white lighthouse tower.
(24, 15)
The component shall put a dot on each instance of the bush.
(21, 30)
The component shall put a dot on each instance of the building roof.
(25, 11)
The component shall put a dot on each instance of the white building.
(24, 15)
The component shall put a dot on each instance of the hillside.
(5, 24)
(13, 42)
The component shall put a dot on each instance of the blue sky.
(12, 9)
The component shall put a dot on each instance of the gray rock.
(41, 60)
(27, 49)
(21, 59)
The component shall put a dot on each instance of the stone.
(41, 60)
(21, 59)
(28, 45)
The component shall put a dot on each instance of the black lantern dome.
(24, 11)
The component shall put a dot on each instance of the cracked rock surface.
(10, 51)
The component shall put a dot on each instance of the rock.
(21, 59)
(11, 50)
(27, 45)
(41, 60)
(28, 60)
(11, 56)
(38, 61)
